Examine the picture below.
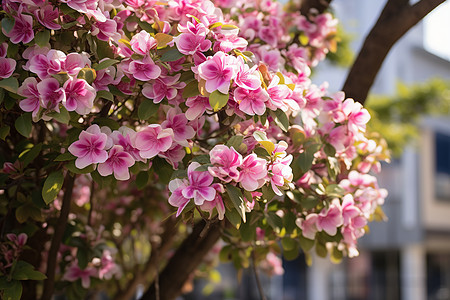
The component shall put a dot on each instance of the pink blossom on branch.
(152, 140)
(225, 163)
(90, 147)
(118, 163)
(7, 67)
(199, 187)
(218, 71)
(22, 30)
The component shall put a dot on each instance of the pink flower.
(225, 163)
(153, 140)
(144, 69)
(163, 87)
(22, 30)
(124, 137)
(251, 101)
(177, 199)
(51, 94)
(73, 63)
(29, 90)
(104, 30)
(3, 49)
(118, 163)
(88, 7)
(253, 172)
(218, 71)
(108, 267)
(177, 121)
(174, 155)
(197, 106)
(79, 96)
(280, 173)
(330, 219)
(192, 38)
(189, 44)
(73, 273)
(199, 186)
(143, 42)
(216, 203)
(356, 114)
(248, 78)
(308, 225)
(47, 16)
(46, 65)
(7, 67)
(90, 147)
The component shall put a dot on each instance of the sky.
(437, 31)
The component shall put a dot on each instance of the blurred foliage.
(344, 55)
(396, 117)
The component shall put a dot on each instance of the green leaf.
(23, 124)
(288, 244)
(202, 159)
(42, 38)
(305, 243)
(13, 292)
(28, 210)
(32, 154)
(281, 120)
(65, 157)
(10, 84)
(235, 141)
(191, 90)
(163, 169)
(87, 74)
(72, 168)
(248, 232)
(321, 250)
(7, 24)
(52, 186)
(115, 91)
(4, 132)
(105, 95)
(275, 221)
(112, 124)
(306, 158)
(238, 200)
(105, 64)
(147, 109)
(259, 136)
(171, 55)
(217, 100)
(234, 217)
(142, 179)
(63, 116)
(26, 271)
(68, 25)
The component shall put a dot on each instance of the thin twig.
(258, 282)
(49, 283)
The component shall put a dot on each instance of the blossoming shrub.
(136, 109)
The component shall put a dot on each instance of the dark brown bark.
(185, 260)
(397, 17)
(319, 5)
(60, 227)
(150, 269)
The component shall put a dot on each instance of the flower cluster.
(192, 100)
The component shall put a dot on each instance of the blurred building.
(407, 257)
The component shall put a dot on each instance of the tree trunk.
(185, 261)
(397, 17)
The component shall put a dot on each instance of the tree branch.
(395, 20)
(185, 260)
(60, 227)
(150, 268)
(319, 5)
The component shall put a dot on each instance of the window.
(442, 166)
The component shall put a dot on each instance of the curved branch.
(397, 17)
(60, 227)
(185, 260)
(319, 5)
